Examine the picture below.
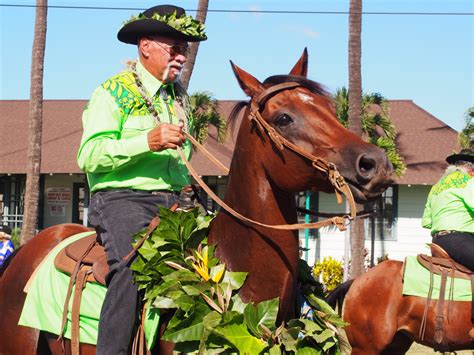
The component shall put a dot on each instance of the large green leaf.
(235, 279)
(274, 350)
(310, 327)
(164, 302)
(307, 350)
(147, 250)
(289, 338)
(190, 329)
(210, 321)
(181, 275)
(323, 336)
(263, 313)
(239, 336)
(331, 316)
(185, 302)
(237, 304)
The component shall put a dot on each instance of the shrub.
(16, 237)
(330, 272)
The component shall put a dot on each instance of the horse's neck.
(251, 193)
(269, 256)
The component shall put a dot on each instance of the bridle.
(332, 174)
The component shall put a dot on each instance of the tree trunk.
(35, 123)
(354, 121)
(194, 46)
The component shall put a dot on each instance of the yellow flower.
(201, 262)
(201, 265)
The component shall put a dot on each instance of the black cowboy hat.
(463, 155)
(145, 25)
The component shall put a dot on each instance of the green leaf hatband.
(184, 24)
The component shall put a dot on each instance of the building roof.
(423, 140)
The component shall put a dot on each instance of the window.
(80, 200)
(382, 224)
(12, 202)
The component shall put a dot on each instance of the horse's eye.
(283, 120)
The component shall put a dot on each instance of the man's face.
(165, 57)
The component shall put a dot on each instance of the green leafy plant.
(16, 232)
(330, 271)
(178, 270)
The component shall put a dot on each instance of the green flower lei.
(184, 24)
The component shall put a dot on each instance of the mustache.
(176, 65)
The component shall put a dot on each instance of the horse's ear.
(301, 66)
(247, 82)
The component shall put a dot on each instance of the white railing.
(14, 220)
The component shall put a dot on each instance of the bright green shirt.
(450, 204)
(114, 148)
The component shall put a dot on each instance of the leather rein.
(336, 179)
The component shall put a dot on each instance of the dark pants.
(459, 246)
(117, 215)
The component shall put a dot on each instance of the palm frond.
(205, 112)
(376, 124)
(466, 136)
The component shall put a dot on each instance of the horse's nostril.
(366, 166)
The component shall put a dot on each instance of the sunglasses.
(175, 50)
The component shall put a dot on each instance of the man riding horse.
(132, 126)
(449, 211)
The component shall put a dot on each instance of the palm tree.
(377, 128)
(466, 136)
(35, 123)
(204, 110)
(354, 122)
(194, 47)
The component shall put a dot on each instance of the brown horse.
(262, 183)
(383, 321)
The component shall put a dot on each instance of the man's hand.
(166, 136)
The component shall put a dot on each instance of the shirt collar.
(151, 84)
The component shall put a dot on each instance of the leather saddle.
(87, 254)
(85, 261)
(440, 263)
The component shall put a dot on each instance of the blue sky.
(427, 59)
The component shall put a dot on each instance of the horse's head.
(298, 111)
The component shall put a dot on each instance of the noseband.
(332, 174)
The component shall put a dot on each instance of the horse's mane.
(312, 86)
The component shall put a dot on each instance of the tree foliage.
(376, 124)
(205, 112)
(466, 136)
